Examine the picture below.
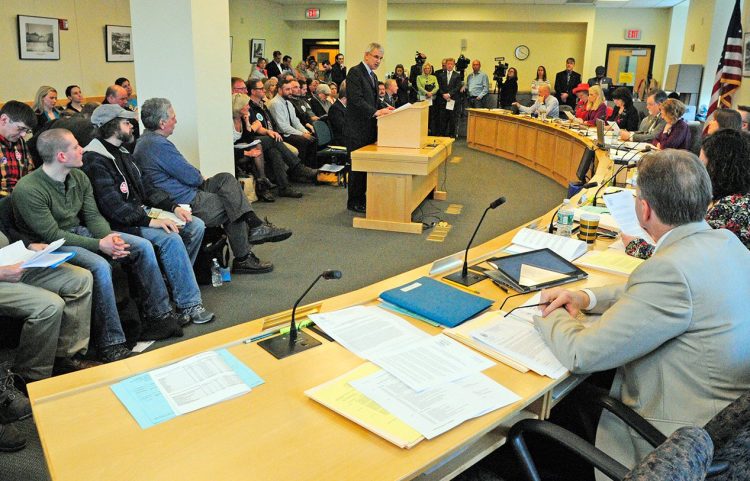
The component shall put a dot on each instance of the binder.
(436, 301)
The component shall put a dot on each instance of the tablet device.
(533, 270)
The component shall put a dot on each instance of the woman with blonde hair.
(248, 159)
(270, 86)
(427, 88)
(596, 107)
(44, 106)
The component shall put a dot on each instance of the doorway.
(631, 66)
(321, 49)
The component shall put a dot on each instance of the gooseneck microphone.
(328, 274)
(464, 278)
(628, 165)
(295, 341)
(551, 228)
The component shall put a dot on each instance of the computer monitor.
(586, 165)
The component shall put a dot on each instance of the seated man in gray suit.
(653, 124)
(677, 331)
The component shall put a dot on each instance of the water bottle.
(543, 112)
(216, 273)
(565, 219)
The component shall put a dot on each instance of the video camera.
(419, 58)
(462, 62)
(500, 69)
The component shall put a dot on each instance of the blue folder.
(436, 301)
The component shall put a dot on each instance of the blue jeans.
(177, 252)
(106, 328)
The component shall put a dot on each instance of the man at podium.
(361, 118)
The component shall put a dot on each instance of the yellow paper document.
(339, 396)
(610, 260)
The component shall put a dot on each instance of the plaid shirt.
(15, 162)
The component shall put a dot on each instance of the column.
(181, 50)
(365, 23)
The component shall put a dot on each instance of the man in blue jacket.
(130, 207)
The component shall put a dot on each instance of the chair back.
(323, 133)
(730, 433)
(685, 456)
(696, 136)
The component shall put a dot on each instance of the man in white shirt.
(550, 103)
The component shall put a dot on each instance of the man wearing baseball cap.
(130, 206)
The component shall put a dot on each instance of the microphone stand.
(295, 341)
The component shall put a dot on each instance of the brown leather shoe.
(65, 365)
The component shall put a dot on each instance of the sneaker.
(303, 173)
(114, 353)
(289, 192)
(162, 327)
(251, 265)
(11, 439)
(65, 365)
(14, 406)
(197, 314)
(267, 232)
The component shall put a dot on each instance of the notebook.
(436, 301)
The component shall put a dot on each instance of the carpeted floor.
(324, 239)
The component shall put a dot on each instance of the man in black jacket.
(449, 83)
(130, 207)
(337, 118)
(565, 82)
(275, 67)
(361, 118)
(338, 70)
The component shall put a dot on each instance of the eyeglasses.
(257, 88)
(22, 129)
(241, 89)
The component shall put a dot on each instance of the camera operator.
(414, 72)
(478, 85)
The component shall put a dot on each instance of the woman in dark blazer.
(510, 89)
(403, 85)
(676, 134)
(624, 113)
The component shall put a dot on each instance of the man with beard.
(282, 111)
(130, 207)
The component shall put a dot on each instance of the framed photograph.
(257, 49)
(118, 41)
(38, 38)
(746, 55)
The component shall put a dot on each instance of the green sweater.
(47, 210)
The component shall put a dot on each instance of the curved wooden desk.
(275, 432)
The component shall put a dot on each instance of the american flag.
(729, 73)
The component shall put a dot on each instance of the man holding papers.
(677, 331)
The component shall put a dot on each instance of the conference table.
(275, 432)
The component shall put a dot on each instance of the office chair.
(684, 456)
(331, 154)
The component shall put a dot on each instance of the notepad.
(340, 397)
(436, 301)
(528, 239)
(610, 260)
(16, 253)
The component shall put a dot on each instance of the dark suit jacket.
(337, 121)
(338, 74)
(562, 84)
(272, 69)
(362, 103)
(445, 87)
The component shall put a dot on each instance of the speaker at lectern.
(405, 127)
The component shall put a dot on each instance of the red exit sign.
(632, 34)
(312, 13)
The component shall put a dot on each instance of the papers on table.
(624, 156)
(334, 168)
(431, 362)
(16, 253)
(621, 206)
(613, 261)
(435, 411)
(199, 381)
(403, 107)
(528, 239)
(367, 330)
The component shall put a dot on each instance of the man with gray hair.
(653, 124)
(677, 330)
(544, 103)
(362, 111)
(217, 200)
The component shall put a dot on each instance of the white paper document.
(17, 253)
(431, 362)
(516, 336)
(403, 107)
(246, 145)
(198, 382)
(155, 213)
(367, 331)
(435, 411)
(529, 239)
(331, 168)
(621, 207)
(450, 104)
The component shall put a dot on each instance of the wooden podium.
(401, 169)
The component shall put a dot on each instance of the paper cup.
(589, 223)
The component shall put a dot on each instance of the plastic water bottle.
(216, 273)
(565, 219)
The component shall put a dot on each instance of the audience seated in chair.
(217, 200)
(676, 133)
(289, 126)
(130, 207)
(16, 120)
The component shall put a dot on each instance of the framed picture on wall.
(38, 38)
(257, 49)
(118, 43)
(746, 55)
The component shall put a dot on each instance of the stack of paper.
(613, 261)
(16, 253)
(194, 383)
(621, 206)
(528, 240)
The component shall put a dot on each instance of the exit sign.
(312, 13)
(632, 34)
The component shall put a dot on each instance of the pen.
(260, 336)
(459, 286)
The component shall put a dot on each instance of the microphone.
(551, 227)
(296, 341)
(463, 277)
(628, 166)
